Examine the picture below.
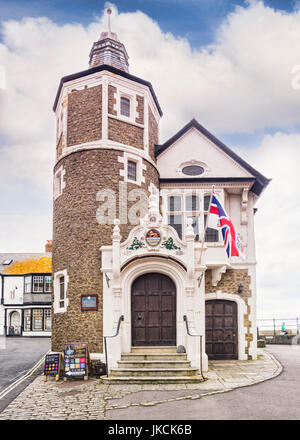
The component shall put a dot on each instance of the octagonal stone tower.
(107, 126)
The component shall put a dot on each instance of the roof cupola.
(109, 50)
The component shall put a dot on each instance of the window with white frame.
(38, 284)
(125, 106)
(59, 183)
(37, 319)
(182, 206)
(60, 288)
(48, 283)
(131, 170)
(61, 291)
(27, 320)
(27, 284)
(47, 320)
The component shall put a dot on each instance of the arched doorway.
(153, 310)
(221, 329)
(14, 324)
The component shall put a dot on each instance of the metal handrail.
(112, 336)
(201, 336)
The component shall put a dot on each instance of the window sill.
(126, 119)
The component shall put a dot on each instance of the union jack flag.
(219, 219)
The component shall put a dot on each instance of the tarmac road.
(17, 356)
(275, 399)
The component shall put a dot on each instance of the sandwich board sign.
(52, 365)
(76, 360)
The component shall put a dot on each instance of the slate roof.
(259, 181)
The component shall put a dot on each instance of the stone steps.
(154, 350)
(153, 357)
(153, 372)
(153, 365)
(150, 380)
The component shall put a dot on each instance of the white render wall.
(13, 289)
(194, 146)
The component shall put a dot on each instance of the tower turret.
(107, 128)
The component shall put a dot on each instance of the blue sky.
(197, 20)
(228, 64)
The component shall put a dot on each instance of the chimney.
(48, 246)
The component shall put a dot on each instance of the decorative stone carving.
(216, 274)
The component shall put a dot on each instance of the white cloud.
(25, 233)
(242, 82)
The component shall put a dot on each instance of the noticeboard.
(52, 365)
(76, 360)
(89, 302)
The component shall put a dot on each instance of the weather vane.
(109, 11)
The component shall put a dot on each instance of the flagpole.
(205, 228)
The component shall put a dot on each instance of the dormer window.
(125, 106)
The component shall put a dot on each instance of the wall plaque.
(89, 302)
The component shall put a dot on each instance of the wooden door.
(153, 310)
(221, 329)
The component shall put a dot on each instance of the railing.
(272, 326)
(201, 336)
(113, 336)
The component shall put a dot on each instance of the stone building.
(129, 216)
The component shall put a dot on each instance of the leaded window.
(125, 106)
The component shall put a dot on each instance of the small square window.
(125, 106)
(38, 284)
(174, 203)
(192, 203)
(131, 170)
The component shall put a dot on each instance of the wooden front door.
(221, 329)
(153, 310)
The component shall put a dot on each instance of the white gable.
(194, 147)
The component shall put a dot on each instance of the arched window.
(125, 106)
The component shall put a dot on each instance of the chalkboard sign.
(52, 365)
(76, 360)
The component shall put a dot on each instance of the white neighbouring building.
(25, 294)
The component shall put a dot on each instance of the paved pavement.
(276, 399)
(17, 356)
(92, 400)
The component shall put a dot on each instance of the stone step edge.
(154, 362)
(154, 369)
(153, 379)
(132, 353)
